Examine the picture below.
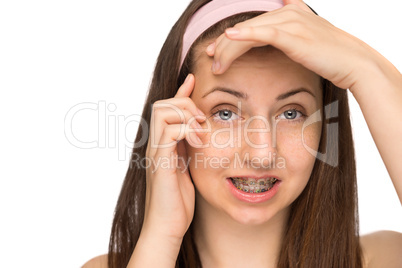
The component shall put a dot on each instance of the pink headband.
(217, 10)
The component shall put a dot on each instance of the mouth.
(253, 185)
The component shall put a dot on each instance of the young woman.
(250, 144)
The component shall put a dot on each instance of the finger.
(229, 51)
(179, 116)
(166, 117)
(172, 134)
(187, 87)
(298, 3)
(162, 108)
(279, 36)
(172, 117)
(210, 50)
(258, 20)
(177, 104)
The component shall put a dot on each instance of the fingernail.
(232, 31)
(216, 66)
(187, 78)
(210, 48)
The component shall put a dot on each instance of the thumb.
(298, 3)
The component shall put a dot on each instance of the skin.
(223, 224)
(341, 58)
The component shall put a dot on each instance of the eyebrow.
(294, 92)
(244, 96)
(233, 92)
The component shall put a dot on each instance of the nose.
(259, 143)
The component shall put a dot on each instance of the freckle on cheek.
(311, 140)
(293, 140)
(312, 135)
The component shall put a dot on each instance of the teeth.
(251, 185)
(251, 182)
(236, 183)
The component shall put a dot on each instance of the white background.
(57, 200)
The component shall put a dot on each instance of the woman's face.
(256, 133)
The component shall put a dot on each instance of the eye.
(224, 115)
(290, 114)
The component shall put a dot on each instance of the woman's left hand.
(342, 59)
(303, 36)
(333, 54)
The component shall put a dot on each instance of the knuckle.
(274, 33)
(157, 105)
(157, 113)
(187, 100)
(190, 103)
(293, 11)
(187, 115)
(169, 130)
(190, 118)
(291, 7)
(252, 30)
(182, 103)
(174, 132)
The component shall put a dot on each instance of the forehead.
(265, 67)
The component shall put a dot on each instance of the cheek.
(221, 135)
(207, 167)
(298, 144)
(208, 163)
(212, 158)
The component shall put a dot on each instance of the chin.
(253, 215)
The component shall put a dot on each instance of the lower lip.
(255, 197)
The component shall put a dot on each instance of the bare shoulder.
(97, 262)
(382, 249)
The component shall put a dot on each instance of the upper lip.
(255, 176)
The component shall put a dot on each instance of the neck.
(223, 242)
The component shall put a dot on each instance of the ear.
(298, 3)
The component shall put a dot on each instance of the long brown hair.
(322, 229)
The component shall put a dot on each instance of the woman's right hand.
(170, 195)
